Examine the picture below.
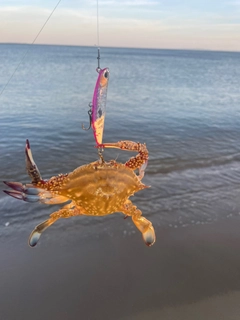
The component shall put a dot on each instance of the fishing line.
(24, 56)
(98, 57)
(97, 26)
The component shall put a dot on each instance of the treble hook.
(90, 105)
(90, 118)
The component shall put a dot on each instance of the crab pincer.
(139, 162)
(22, 192)
(31, 166)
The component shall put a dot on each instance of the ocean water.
(185, 105)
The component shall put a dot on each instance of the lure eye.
(106, 74)
(104, 78)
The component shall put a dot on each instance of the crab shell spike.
(31, 166)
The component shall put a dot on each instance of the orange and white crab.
(96, 189)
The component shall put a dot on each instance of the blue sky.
(185, 24)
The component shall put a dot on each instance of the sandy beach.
(190, 273)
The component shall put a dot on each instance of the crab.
(95, 189)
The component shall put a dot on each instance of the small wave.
(178, 164)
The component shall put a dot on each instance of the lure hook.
(90, 118)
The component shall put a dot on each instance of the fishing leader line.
(25, 54)
(98, 57)
(98, 70)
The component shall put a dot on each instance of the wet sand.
(190, 273)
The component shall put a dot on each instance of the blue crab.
(96, 189)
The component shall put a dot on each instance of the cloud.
(78, 27)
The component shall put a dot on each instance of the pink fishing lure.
(99, 105)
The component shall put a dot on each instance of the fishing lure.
(99, 105)
(97, 111)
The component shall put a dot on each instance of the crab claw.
(22, 196)
(31, 166)
(30, 193)
(14, 185)
(27, 192)
(142, 169)
(28, 188)
(14, 194)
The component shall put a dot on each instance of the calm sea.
(184, 104)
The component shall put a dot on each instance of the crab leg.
(67, 211)
(138, 162)
(143, 225)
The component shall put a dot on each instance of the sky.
(169, 24)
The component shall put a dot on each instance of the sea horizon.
(116, 47)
